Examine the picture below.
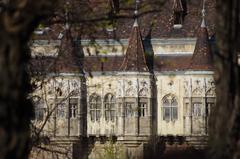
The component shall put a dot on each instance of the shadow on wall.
(189, 153)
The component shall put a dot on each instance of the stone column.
(188, 118)
(121, 123)
(136, 121)
(204, 116)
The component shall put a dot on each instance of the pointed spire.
(203, 25)
(67, 58)
(134, 59)
(202, 56)
(177, 6)
(136, 14)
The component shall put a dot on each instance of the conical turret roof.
(67, 60)
(202, 56)
(135, 57)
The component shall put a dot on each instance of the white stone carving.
(131, 88)
(74, 87)
(186, 87)
(210, 88)
(120, 88)
(198, 88)
(61, 87)
(197, 92)
(144, 91)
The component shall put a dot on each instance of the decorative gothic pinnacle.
(202, 56)
(203, 25)
(134, 59)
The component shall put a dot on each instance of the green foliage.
(111, 150)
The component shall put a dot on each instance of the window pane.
(174, 113)
(107, 115)
(166, 103)
(112, 115)
(92, 115)
(170, 108)
(107, 106)
(129, 111)
(112, 106)
(166, 113)
(174, 103)
(197, 109)
(98, 106)
(98, 115)
(98, 99)
(142, 109)
(73, 108)
(39, 114)
(60, 110)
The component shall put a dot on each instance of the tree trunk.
(17, 22)
(225, 120)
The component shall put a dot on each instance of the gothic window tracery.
(61, 113)
(95, 107)
(170, 108)
(73, 105)
(129, 109)
(109, 106)
(39, 108)
(197, 109)
(142, 109)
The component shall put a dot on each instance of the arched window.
(95, 107)
(170, 108)
(142, 110)
(73, 107)
(109, 107)
(39, 108)
(61, 112)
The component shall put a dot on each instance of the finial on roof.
(67, 16)
(177, 6)
(202, 55)
(134, 60)
(136, 13)
(203, 25)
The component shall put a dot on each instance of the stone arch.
(169, 107)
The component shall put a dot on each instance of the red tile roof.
(135, 56)
(159, 24)
(67, 58)
(157, 18)
(202, 56)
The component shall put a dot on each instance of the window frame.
(109, 107)
(73, 108)
(197, 109)
(142, 109)
(169, 106)
(61, 112)
(129, 107)
(95, 106)
(39, 107)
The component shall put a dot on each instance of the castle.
(156, 80)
